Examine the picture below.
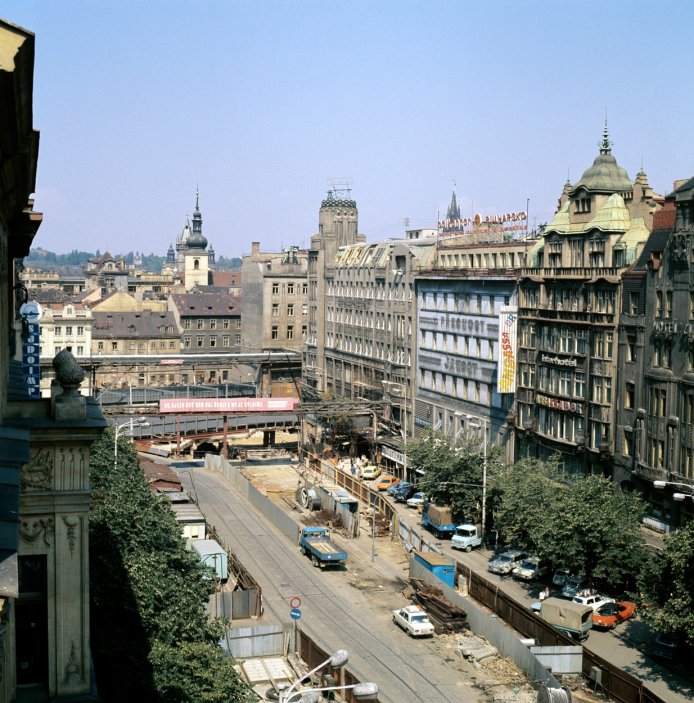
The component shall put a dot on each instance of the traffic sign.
(295, 602)
(295, 613)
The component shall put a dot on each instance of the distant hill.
(43, 258)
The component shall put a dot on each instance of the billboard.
(506, 373)
(227, 405)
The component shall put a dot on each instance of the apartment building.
(570, 297)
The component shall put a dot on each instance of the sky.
(261, 105)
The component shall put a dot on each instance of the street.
(348, 608)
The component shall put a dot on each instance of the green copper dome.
(605, 175)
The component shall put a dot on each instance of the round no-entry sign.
(295, 613)
(295, 602)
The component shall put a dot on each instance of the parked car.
(404, 493)
(530, 569)
(572, 586)
(610, 615)
(561, 576)
(397, 485)
(369, 472)
(414, 620)
(506, 562)
(416, 500)
(386, 481)
(594, 600)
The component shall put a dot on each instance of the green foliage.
(452, 475)
(196, 672)
(148, 591)
(666, 585)
(578, 522)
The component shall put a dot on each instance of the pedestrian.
(353, 469)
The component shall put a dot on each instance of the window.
(628, 442)
(213, 341)
(213, 324)
(200, 341)
(304, 309)
(201, 324)
(238, 323)
(290, 331)
(290, 289)
(668, 304)
(631, 347)
(275, 309)
(580, 384)
(659, 303)
(225, 340)
(583, 203)
(237, 339)
(80, 351)
(304, 288)
(576, 252)
(172, 344)
(290, 310)
(58, 331)
(114, 346)
(633, 303)
(629, 392)
(603, 345)
(186, 324)
(225, 324)
(275, 332)
(68, 330)
(656, 453)
(80, 330)
(662, 354)
(275, 288)
(132, 345)
(658, 401)
(186, 341)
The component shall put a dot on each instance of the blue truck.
(438, 519)
(316, 543)
(439, 565)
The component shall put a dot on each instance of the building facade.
(275, 299)
(570, 297)
(209, 322)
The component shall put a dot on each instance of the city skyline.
(260, 105)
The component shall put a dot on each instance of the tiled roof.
(152, 325)
(206, 304)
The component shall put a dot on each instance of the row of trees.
(151, 638)
(580, 522)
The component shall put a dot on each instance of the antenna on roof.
(341, 187)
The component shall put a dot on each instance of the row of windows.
(80, 350)
(139, 346)
(465, 302)
(368, 348)
(455, 386)
(565, 339)
(214, 324)
(289, 311)
(211, 341)
(464, 345)
(289, 288)
(275, 332)
(68, 330)
(367, 291)
(564, 298)
(494, 260)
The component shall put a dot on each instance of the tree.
(578, 522)
(148, 593)
(452, 474)
(666, 584)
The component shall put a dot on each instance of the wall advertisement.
(506, 374)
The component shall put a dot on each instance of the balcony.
(650, 473)
(575, 272)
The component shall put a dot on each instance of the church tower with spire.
(195, 257)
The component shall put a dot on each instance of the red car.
(610, 615)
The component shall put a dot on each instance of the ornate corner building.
(571, 293)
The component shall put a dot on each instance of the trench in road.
(405, 669)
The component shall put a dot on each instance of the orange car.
(610, 615)
(386, 481)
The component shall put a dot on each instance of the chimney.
(255, 249)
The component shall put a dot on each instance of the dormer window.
(583, 204)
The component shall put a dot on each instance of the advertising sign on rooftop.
(226, 405)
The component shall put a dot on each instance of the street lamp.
(140, 422)
(361, 691)
(401, 388)
(484, 424)
(336, 660)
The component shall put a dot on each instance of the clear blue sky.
(261, 103)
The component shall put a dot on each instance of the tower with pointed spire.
(195, 257)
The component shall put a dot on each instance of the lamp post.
(336, 660)
(484, 424)
(140, 422)
(361, 691)
(401, 388)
